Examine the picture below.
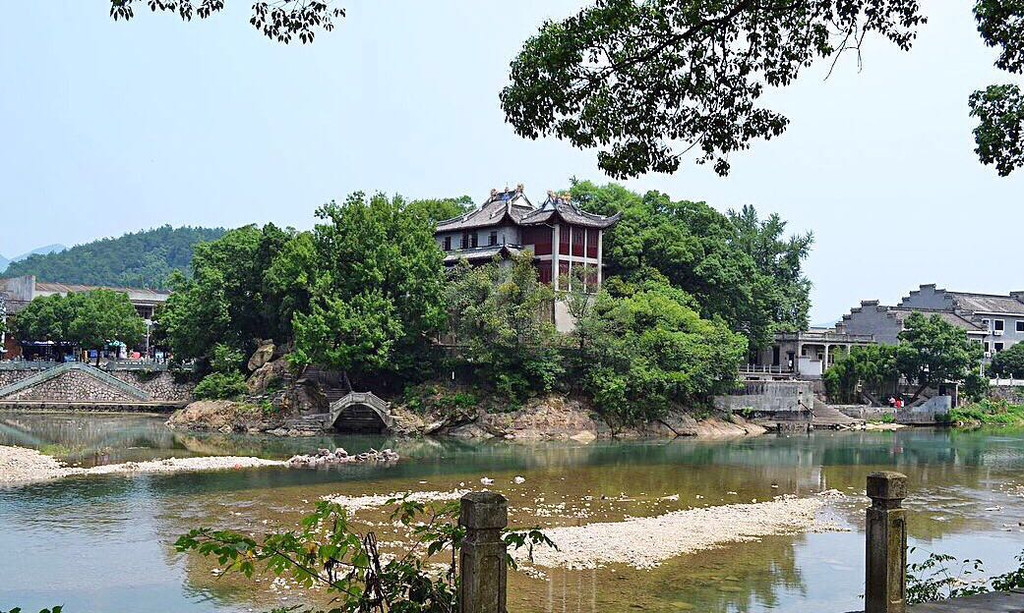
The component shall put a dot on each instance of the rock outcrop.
(222, 416)
(326, 457)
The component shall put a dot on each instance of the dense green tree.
(737, 267)
(376, 300)
(139, 259)
(496, 313)
(650, 81)
(438, 209)
(1009, 362)
(103, 317)
(933, 351)
(88, 320)
(780, 258)
(648, 350)
(228, 300)
(871, 369)
(46, 318)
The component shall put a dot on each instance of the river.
(103, 544)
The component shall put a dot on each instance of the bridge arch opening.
(359, 419)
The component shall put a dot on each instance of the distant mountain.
(4, 262)
(138, 259)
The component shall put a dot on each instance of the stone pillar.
(556, 237)
(482, 560)
(886, 529)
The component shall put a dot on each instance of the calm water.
(103, 544)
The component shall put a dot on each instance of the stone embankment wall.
(8, 377)
(73, 386)
(781, 399)
(159, 387)
(80, 388)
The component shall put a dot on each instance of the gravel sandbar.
(19, 465)
(649, 541)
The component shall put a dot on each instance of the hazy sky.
(111, 127)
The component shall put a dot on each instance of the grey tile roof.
(481, 253)
(513, 205)
(988, 303)
(902, 314)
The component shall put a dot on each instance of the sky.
(114, 127)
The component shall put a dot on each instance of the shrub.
(220, 386)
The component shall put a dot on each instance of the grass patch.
(987, 413)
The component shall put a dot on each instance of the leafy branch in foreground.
(942, 576)
(279, 20)
(327, 552)
(57, 609)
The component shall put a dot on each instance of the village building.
(17, 292)
(996, 321)
(562, 238)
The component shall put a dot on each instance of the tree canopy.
(933, 351)
(647, 82)
(279, 20)
(1009, 362)
(498, 316)
(89, 320)
(377, 277)
(138, 259)
(228, 299)
(736, 266)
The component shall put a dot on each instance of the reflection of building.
(562, 237)
(18, 292)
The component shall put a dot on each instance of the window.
(474, 240)
(563, 240)
(984, 322)
(465, 240)
(999, 347)
(998, 324)
(492, 239)
(1020, 325)
(986, 346)
(577, 241)
(592, 239)
(447, 243)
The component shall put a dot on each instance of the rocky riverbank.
(551, 418)
(559, 418)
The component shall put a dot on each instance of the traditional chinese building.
(562, 237)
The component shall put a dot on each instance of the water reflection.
(68, 535)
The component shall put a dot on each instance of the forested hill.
(138, 259)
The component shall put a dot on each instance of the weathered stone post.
(886, 569)
(482, 561)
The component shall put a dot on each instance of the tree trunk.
(917, 394)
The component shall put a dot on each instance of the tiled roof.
(515, 206)
(134, 294)
(509, 203)
(988, 303)
(481, 253)
(902, 313)
(567, 210)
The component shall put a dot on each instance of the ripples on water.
(103, 544)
